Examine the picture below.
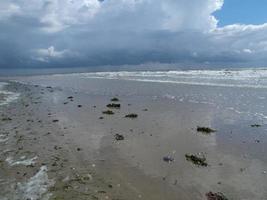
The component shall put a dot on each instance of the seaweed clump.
(132, 115)
(200, 161)
(6, 119)
(119, 137)
(108, 112)
(206, 130)
(255, 125)
(215, 196)
(114, 99)
(114, 105)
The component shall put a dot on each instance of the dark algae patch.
(205, 130)
(119, 137)
(132, 116)
(255, 125)
(200, 161)
(115, 99)
(108, 112)
(215, 196)
(114, 105)
(6, 119)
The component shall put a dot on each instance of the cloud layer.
(69, 33)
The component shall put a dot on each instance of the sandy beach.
(57, 141)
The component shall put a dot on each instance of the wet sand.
(70, 152)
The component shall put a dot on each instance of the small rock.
(168, 159)
(215, 196)
(119, 137)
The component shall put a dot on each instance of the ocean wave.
(7, 97)
(246, 78)
(21, 161)
(37, 187)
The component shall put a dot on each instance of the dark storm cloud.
(90, 32)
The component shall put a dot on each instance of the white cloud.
(246, 38)
(45, 55)
(247, 51)
(172, 15)
(180, 29)
(8, 9)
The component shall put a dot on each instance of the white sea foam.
(21, 161)
(36, 187)
(245, 78)
(3, 138)
(2, 84)
(7, 96)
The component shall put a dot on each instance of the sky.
(84, 33)
(242, 12)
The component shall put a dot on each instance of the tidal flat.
(58, 141)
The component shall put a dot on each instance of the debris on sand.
(70, 98)
(6, 119)
(55, 120)
(108, 112)
(114, 99)
(119, 137)
(215, 196)
(114, 105)
(132, 115)
(168, 159)
(255, 125)
(205, 130)
(200, 161)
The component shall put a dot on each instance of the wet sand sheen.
(77, 143)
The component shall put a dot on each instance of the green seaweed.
(108, 112)
(132, 115)
(114, 99)
(114, 105)
(200, 161)
(205, 130)
(255, 125)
